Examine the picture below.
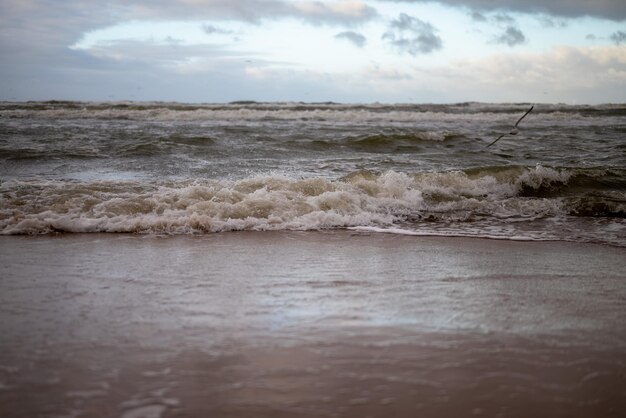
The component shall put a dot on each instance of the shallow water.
(309, 324)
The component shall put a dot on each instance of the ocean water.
(172, 168)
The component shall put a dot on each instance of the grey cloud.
(173, 41)
(496, 18)
(512, 36)
(254, 11)
(150, 53)
(135, 70)
(63, 17)
(503, 18)
(412, 35)
(608, 9)
(354, 37)
(548, 22)
(478, 17)
(135, 81)
(27, 26)
(618, 37)
(563, 71)
(211, 29)
(35, 34)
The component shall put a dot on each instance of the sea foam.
(264, 112)
(275, 202)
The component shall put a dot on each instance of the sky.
(352, 51)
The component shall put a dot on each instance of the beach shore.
(310, 324)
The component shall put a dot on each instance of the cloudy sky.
(571, 51)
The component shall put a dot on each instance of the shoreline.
(420, 234)
(308, 324)
(351, 230)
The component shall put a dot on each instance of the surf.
(489, 197)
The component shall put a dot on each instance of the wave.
(333, 112)
(384, 142)
(82, 148)
(409, 138)
(487, 195)
(159, 145)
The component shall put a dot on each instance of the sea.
(414, 169)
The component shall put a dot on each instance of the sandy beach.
(309, 324)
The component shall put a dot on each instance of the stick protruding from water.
(513, 131)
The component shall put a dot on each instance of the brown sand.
(310, 325)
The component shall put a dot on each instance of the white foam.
(260, 112)
(444, 233)
(270, 202)
(147, 411)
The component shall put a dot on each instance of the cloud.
(354, 37)
(35, 35)
(147, 54)
(31, 28)
(312, 11)
(477, 16)
(568, 74)
(512, 36)
(562, 74)
(506, 19)
(503, 18)
(412, 35)
(211, 29)
(376, 72)
(37, 63)
(76, 16)
(618, 37)
(608, 9)
(548, 22)
(345, 11)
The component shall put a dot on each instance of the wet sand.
(310, 324)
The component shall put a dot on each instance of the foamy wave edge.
(274, 202)
(258, 112)
(448, 234)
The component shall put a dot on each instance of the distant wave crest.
(332, 112)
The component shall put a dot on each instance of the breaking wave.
(334, 112)
(496, 195)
